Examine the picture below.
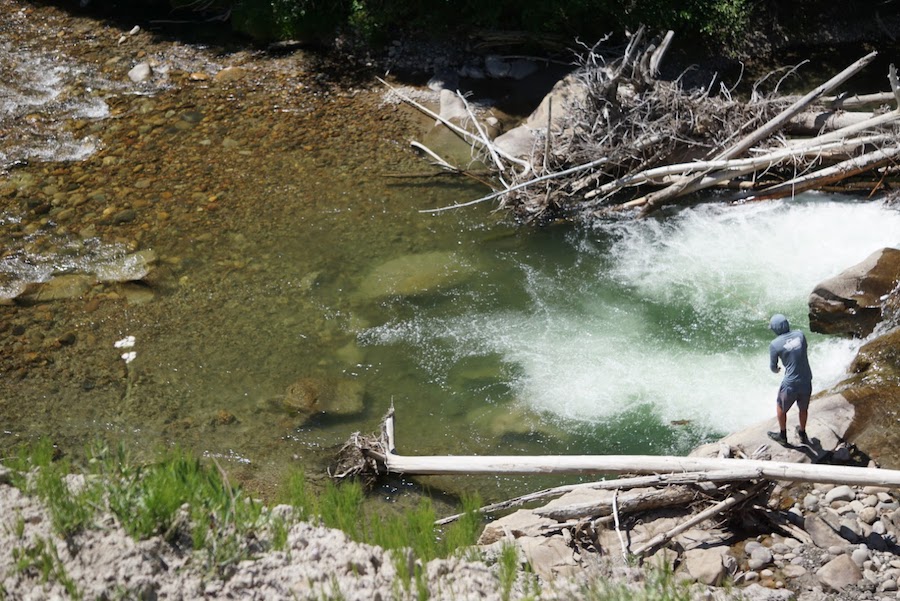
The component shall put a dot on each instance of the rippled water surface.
(290, 257)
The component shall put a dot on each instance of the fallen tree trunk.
(391, 462)
(704, 515)
(628, 503)
(619, 484)
(634, 464)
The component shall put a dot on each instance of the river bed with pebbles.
(180, 252)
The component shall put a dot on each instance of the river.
(272, 203)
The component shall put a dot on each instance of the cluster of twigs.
(632, 143)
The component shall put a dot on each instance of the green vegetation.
(41, 558)
(192, 504)
(714, 22)
(660, 584)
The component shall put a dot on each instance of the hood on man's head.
(779, 324)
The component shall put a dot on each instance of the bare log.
(655, 199)
(628, 503)
(635, 464)
(813, 123)
(787, 114)
(829, 175)
(704, 515)
(622, 464)
(659, 53)
(621, 484)
(846, 101)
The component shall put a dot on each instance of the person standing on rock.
(789, 347)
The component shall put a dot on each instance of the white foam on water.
(675, 316)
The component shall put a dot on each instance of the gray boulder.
(839, 573)
(851, 302)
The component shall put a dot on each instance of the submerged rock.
(59, 288)
(417, 274)
(309, 396)
(129, 268)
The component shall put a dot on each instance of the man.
(789, 347)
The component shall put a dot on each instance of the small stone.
(860, 556)
(840, 493)
(810, 502)
(889, 585)
(67, 339)
(140, 73)
(124, 216)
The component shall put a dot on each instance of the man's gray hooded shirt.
(790, 347)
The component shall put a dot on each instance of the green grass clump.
(39, 471)
(660, 584)
(41, 559)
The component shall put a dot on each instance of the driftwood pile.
(631, 143)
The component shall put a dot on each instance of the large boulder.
(558, 106)
(830, 418)
(851, 303)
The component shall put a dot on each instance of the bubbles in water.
(671, 314)
(38, 93)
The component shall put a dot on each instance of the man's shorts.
(787, 397)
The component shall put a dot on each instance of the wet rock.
(309, 396)
(851, 302)
(136, 293)
(230, 74)
(124, 216)
(140, 73)
(129, 268)
(59, 288)
(417, 274)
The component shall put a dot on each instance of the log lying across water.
(625, 143)
(388, 461)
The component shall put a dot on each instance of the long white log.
(635, 464)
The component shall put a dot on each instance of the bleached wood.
(635, 464)
(628, 464)
(812, 123)
(857, 100)
(704, 515)
(653, 200)
(787, 114)
(621, 484)
(829, 175)
(660, 52)
(631, 502)
(467, 135)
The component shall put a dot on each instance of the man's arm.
(773, 359)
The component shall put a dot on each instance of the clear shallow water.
(644, 337)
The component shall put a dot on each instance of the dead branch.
(625, 143)
(704, 515)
